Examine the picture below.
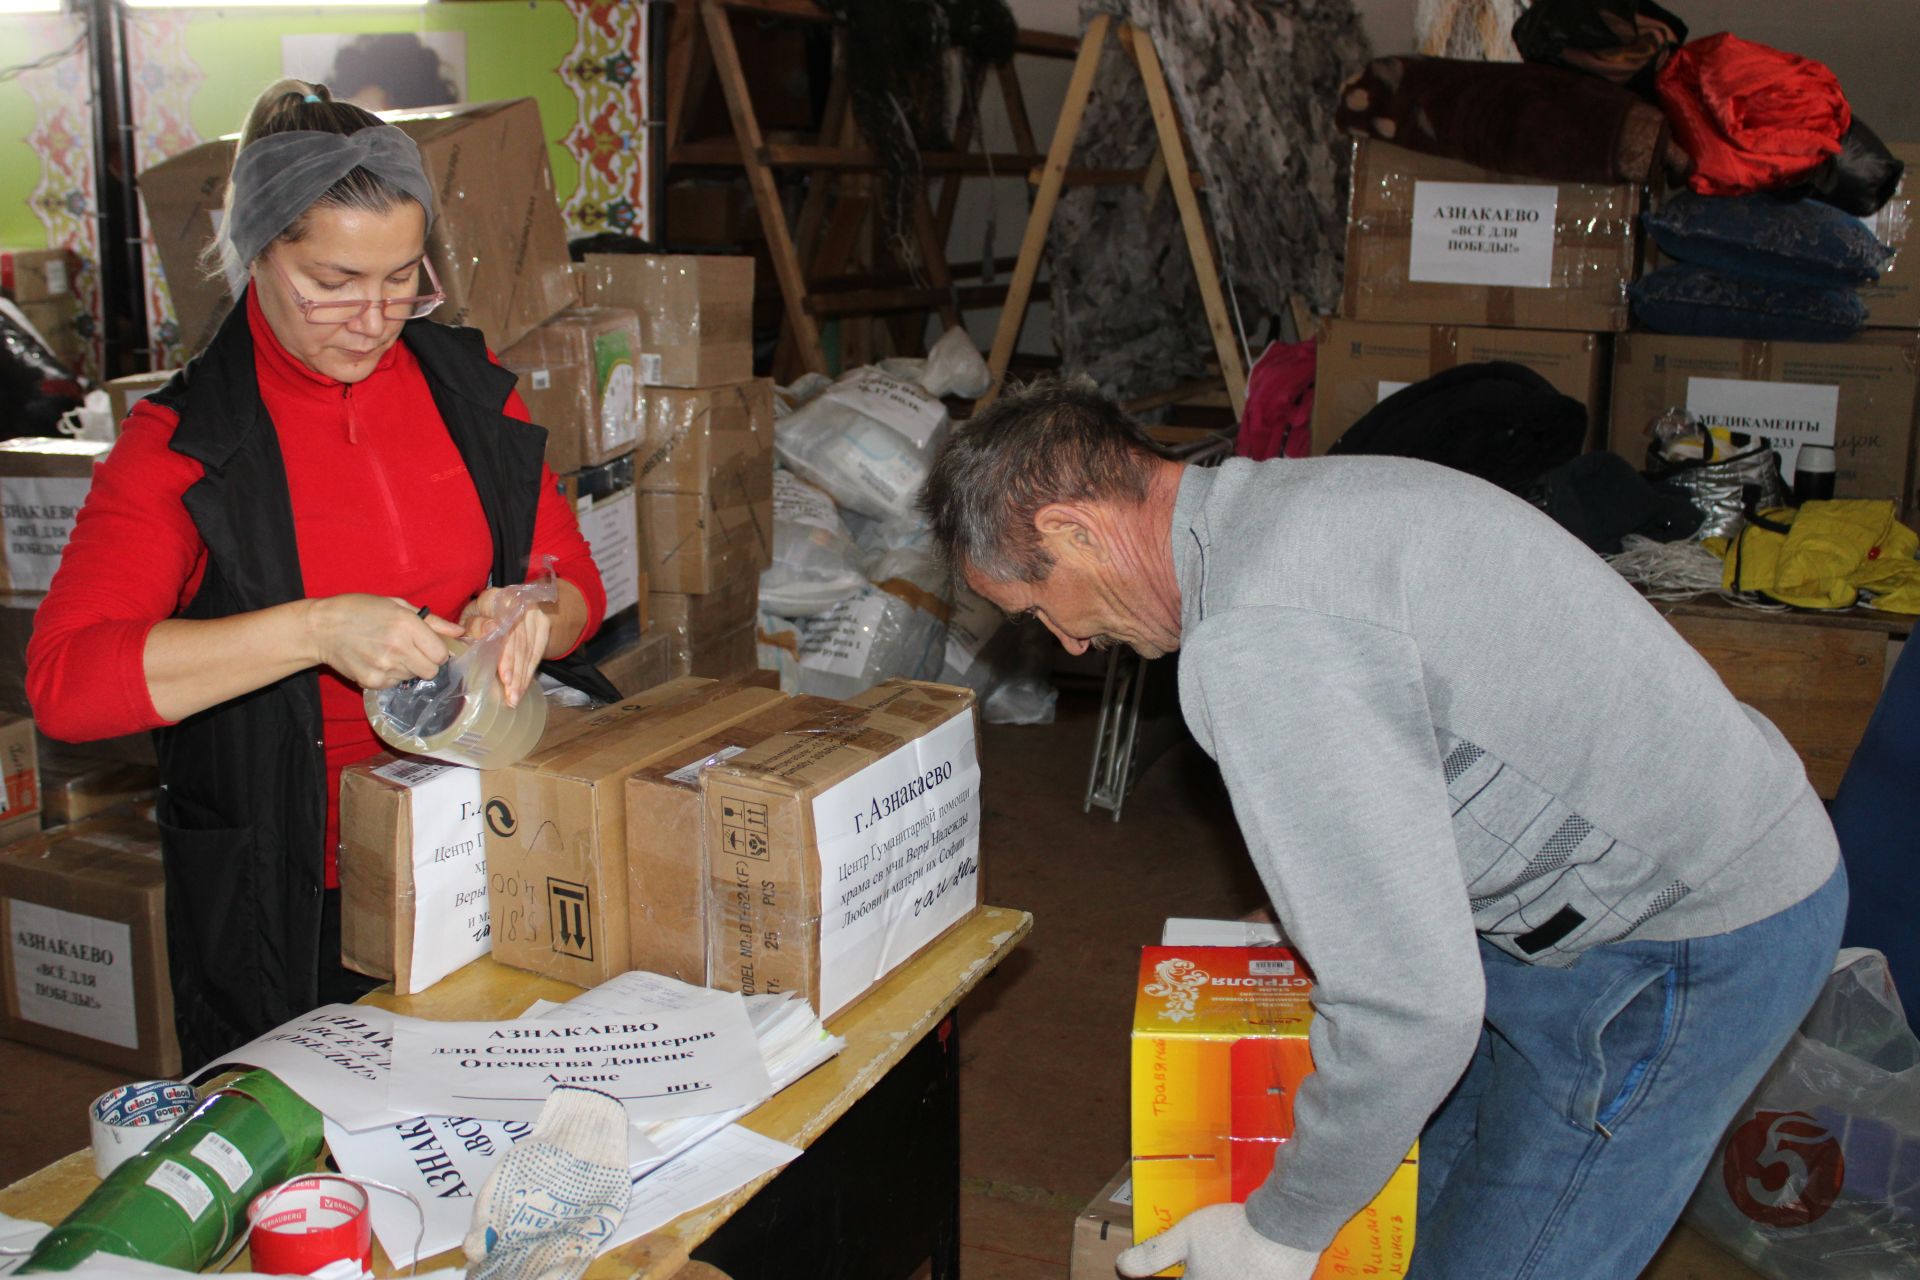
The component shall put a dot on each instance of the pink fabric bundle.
(1279, 414)
(1753, 118)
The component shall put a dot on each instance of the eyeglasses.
(350, 309)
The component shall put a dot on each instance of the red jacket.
(381, 504)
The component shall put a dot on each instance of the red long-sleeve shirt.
(382, 504)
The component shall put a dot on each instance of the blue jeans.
(1599, 1091)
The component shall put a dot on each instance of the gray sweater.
(1441, 716)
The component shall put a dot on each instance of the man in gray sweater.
(1563, 897)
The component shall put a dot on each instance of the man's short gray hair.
(1054, 440)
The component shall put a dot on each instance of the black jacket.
(243, 804)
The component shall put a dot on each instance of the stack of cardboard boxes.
(40, 283)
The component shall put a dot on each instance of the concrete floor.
(1043, 1041)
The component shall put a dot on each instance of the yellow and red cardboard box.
(1219, 1052)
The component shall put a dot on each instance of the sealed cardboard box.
(75, 786)
(695, 546)
(835, 857)
(21, 798)
(124, 393)
(1219, 1051)
(36, 275)
(693, 620)
(696, 313)
(577, 377)
(1358, 364)
(641, 663)
(1859, 396)
(58, 321)
(666, 856)
(733, 654)
(498, 241)
(557, 834)
(1104, 1230)
(43, 483)
(1436, 241)
(85, 963)
(1894, 302)
(713, 440)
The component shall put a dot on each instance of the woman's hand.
(526, 644)
(377, 641)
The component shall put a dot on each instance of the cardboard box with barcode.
(43, 483)
(1436, 241)
(1219, 1052)
(84, 969)
(1894, 302)
(834, 857)
(557, 833)
(578, 379)
(36, 275)
(1104, 1230)
(1859, 396)
(666, 858)
(498, 240)
(608, 510)
(696, 313)
(704, 469)
(1358, 364)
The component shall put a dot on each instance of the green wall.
(24, 38)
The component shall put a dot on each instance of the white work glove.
(556, 1198)
(1218, 1243)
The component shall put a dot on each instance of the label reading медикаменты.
(73, 972)
(225, 1159)
(1786, 414)
(899, 846)
(182, 1186)
(1483, 233)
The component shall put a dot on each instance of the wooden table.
(904, 1011)
(1817, 676)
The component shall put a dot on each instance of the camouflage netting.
(1255, 82)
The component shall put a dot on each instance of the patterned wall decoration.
(607, 71)
(64, 198)
(162, 78)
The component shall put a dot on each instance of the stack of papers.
(684, 1061)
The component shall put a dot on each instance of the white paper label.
(650, 369)
(899, 857)
(619, 412)
(56, 273)
(411, 773)
(840, 641)
(1483, 233)
(1787, 414)
(1387, 388)
(38, 512)
(690, 774)
(73, 973)
(451, 925)
(610, 530)
(225, 1159)
(541, 379)
(182, 1186)
(797, 502)
(975, 620)
(1124, 1195)
(901, 405)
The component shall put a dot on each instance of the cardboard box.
(577, 376)
(1860, 396)
(711, 440)
(666, 855)
(21, 799)
(640, 664)
(126, 392)
(84, 968)
(1435, 241)
(611, 526)
(1219, 1051)
(557, 834)
(1690, 1255)
(75, 787)
(696, 313)
(36, 275)
(43, 482)
(498, 242)
(835, 857)
(58, 321)
(1894, 303)
(1104, 1230)
(696, 545)
(1358, 364)
(697, 619)
(733, 654)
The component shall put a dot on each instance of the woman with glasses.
(312, 508)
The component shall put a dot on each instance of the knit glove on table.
(1218, 1243)
(554, 1200)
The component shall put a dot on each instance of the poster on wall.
(382, 70)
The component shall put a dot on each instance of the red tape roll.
(302, 1225)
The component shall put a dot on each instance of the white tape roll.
(125, 1120)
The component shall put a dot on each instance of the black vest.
(243, 805)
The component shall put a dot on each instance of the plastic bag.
(778, 649)
(1021, 692)
(460, 713)
(816, 563)
(1723, 474)
(1818, 1178)
(895, 627)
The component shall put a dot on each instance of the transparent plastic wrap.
(1020, 692)
(816, 563)
(696, 313)
(460, 713)
(716, 440)
(577, 376)
(1584, 287)
(697, 545)
(1816, 1179)
(896, 627)
(777, 649)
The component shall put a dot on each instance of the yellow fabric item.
(1830, 553)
